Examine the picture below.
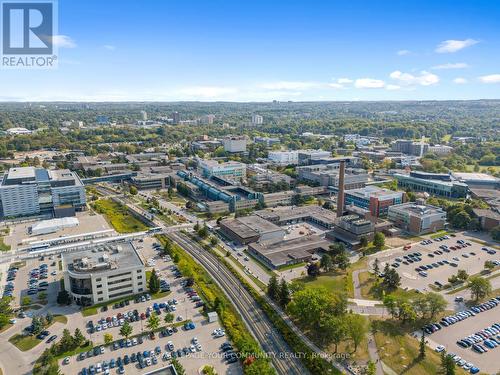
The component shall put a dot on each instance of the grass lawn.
(400, 351)
(119, 216)
(6, 327)
(61, 319)
(24, 343)
(92, 310)
(292, 266)
(3, 245)
(332, 281)
(367, 284)
(439, 234)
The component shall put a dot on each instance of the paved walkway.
(373, 352)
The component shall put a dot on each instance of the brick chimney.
(340, 197)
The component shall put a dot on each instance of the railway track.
(255, 319)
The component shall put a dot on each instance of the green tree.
(49, 318)
(178, 367)
(126, 330)
(37, 325)
(447, 364)
(154, 282)
(495, 233)
(63, 298)
(489, 265)
(313, 269)
(341, 260)
(376, 267)
(203, 231)
(357, 329)
(363, 242)
(78, 337)
(421, 348)
(273, 288)
(25, 301)
(479, 287)
(462, 275)
(379, 240)
(108, 338)
(391, 279)
(169, 318)
(153, 322)
(326, 262)
(371, 369)
(67, 342)
(213, 241)
(133, 190)
(284, 293)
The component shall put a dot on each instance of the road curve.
(255, 319)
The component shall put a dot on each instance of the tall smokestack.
(340, 197)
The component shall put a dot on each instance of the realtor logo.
(28, 30)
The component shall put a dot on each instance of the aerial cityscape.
(249, 188)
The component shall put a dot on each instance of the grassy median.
(118, 216)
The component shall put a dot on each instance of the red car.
(143, 316)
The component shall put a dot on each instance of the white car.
(439, 348)
(192, 349)
(195, 340)
(12, 321)
(66, 360)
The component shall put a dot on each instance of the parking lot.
(443, 262)
(88, 223)
(448, 337)
(46, 282)
(185, 309)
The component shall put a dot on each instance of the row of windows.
(121, 293)
(119, 281)
(118, 275)
(120, 287)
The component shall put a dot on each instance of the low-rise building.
(328, 175)
(373, 199)
(350, 229)
(276, 254)
(417, 219)
(230, 169)
(247, 229)
(477, 180)
(488, 219)
(308, 157)
(103, 274)
(432, 183)
(281, 198)
(145, 181)
(292, 215)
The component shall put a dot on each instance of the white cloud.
(452, 45)
(369, 83)
(459, 80)
(109, 47)
(63, 41)
(492, 78)
(344, 81)
(403, 52)
(290, 85)
(207, 91)
(451, 66)
(392, 87)
(334, 85)
(424, 79)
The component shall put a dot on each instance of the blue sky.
(264, 50)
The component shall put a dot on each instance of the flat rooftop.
(281, 252)
(249, 226)
(297, 213)
(103, 258)
(372, 191)
(21, 173)
(417, 210)
(483, 177)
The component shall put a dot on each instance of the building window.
(99, 286)
(139, 271)
(98, 279)
(139, 283)
(139, 277)
(100, 298)
(140, 289)
(99, 292)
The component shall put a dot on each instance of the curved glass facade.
(80, 286)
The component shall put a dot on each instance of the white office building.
(283, 157)
(102, 274)
(257, 120)
(235, 144)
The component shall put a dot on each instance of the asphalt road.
(257, 322)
